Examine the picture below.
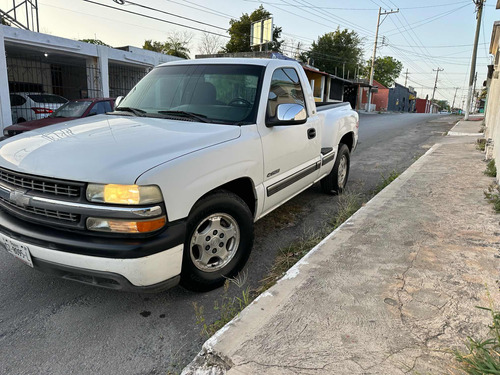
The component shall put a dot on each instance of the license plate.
(18, 249)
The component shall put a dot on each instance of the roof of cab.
(223, 60)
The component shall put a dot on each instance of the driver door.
(291, 152)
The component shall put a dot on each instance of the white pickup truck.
(166, 188)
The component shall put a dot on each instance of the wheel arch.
(348, 140)
(243, 187)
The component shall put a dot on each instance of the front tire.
(336, 181)
(219, 238)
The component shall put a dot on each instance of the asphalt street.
(54, 326)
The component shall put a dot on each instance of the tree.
(95, 41)
(210, 44)
(153, 46)
(337, 51)
(4, 22)
(386, 70)
(239, 31)
(177, 44)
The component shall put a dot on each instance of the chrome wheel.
(214, 242)
(342, 171)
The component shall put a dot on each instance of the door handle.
(311, 133)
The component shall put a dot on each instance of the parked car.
(69, 111)
(27, 106)
(167, 188)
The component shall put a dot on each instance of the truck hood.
(108, 148)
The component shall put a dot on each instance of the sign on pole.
(261, 32)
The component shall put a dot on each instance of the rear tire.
(336, 181)
(219, 238)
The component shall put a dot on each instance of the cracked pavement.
(392, 291)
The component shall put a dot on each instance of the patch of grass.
(348, 204)
(481, 144)
(483, 356)
(493, 196)
(491, 169)
(386, 181)
(228, 307)
(284, 216)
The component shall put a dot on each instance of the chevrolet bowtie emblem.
(19, 198)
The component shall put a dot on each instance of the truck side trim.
(287, 181)
(328, 158)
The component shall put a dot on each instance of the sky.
(424, 35)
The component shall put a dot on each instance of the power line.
(155, 18)
(429, 19)
(360, 9)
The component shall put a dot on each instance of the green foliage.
(483, 356)
(492, 195)
(95, 41)
(491, 169)
(175, 45)
(155, 46)
(4, 22)
(443, 104)
(386, 181)
(228, 307)
(481, 144)
(332, 49)
(386, 70)
(239, 30)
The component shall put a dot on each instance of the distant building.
(401, 99)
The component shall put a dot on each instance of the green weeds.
(483, 356)
(481, 144)
(491, 169)
(492, 195)
(228, 307)
(386, 181)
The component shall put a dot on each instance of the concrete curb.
(450, 133)
(457, 133)
(209, 361)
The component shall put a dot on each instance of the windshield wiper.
(136, 111)
(194, 116)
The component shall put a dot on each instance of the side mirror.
(118, 100)
(288, 114)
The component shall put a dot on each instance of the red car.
(70, 111)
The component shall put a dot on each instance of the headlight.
(125, 226)
(124, 194)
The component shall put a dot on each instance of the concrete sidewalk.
(389, 292)
(468, 128)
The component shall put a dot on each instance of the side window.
(100, 108)
(107, 107)
(285, 88)
(16, 100)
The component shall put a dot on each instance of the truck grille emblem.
(19, 198)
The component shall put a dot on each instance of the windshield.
(216, 93)
(71, 109)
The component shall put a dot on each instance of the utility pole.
(380, 13)
(435, 85)
(406, 79)
(473, 105)
(453, 105)
(479, 6)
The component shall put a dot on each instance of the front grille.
(42, 212)
(41, 185)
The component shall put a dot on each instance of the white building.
(35, 62)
